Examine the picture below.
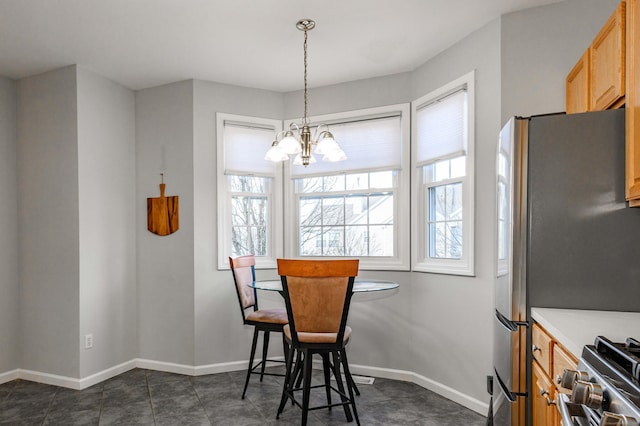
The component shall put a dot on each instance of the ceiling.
(254, 43)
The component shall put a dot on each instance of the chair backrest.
(317, 294)
(243, 270)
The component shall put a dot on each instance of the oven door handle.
(509, 324)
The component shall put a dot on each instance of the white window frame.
(275, 225)
(420, 259)
(401, 259)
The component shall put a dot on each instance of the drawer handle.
(534, 348)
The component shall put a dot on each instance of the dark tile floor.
(146, 397)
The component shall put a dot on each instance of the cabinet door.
(578, 94)
(541, 347)
(543, 400)
(633, 104)
(562, 360)
(607, 71)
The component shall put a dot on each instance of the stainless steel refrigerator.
(565, 236)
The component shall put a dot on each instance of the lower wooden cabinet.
(550, 359)
(543, 399)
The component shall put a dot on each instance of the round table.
(359, 285)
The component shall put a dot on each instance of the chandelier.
(297, 140)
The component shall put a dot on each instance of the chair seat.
(305, 337)
(274, 316)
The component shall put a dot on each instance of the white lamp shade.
(326, 146)
(335, 155)
(275, 154)
(289, 144)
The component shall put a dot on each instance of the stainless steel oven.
(605, 388)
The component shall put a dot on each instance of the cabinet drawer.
(562, 360)
(541, 348)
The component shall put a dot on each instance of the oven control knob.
(587, 393)
(570, 377)
(611, 419)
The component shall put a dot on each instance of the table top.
(359, 285)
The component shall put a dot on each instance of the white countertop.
(574, 328)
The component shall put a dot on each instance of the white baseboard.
(106, 374)
(189, 370)
(8, 376)
(467, 401)
(73, 383)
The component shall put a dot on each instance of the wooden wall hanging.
(162, 213)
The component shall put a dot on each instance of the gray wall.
(164, 144)
(9, 308)
(452, 314)
(107, 225)
(220, 336)
(539, 48)
(48, 231)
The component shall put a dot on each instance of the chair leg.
(327, 377)
(265, 349)
(350, 380)
(336, 362)
(289, 379)
(350, 384)
(306, 386)
(285, 350)
(253, 351)
(298, 371)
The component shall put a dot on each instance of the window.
(358, 207)
(444, 188)
(249, 191)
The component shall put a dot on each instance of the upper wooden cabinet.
(633, 104)
(578, 94)
(607, 58)
(613, 76)
(597, 81)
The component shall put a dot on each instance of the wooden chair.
(317, 297)
(265, 320)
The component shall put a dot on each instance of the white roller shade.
(369, 144)
(442, 128)
(244, 149)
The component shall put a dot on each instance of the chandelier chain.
(306, 121)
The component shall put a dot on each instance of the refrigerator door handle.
(511, 396)
(509, 324)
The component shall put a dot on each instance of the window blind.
(369, 145)
(442, 128)
(244, 149)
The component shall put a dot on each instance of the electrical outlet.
(88, 341)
